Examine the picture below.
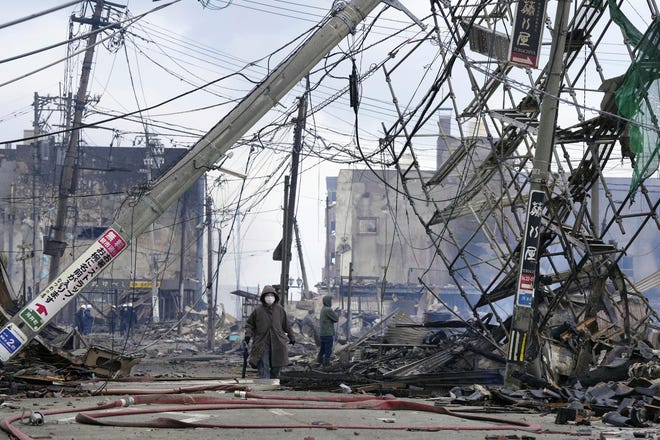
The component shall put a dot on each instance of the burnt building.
(106, 180)
(380, 255)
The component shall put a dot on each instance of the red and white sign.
(71, 282)
(526, 282)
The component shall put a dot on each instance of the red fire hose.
(182, 403)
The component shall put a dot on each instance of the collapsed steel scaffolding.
(485, 177)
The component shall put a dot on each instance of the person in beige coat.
(269, 330)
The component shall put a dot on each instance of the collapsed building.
(381, 270)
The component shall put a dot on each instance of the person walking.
(80, 321)
(88, 320)
(112, 319)
(268, 328)
(123, 319)
(328, 318)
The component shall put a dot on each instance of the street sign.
(527, 33)
(58, 294)
(530, 250)
(142, 284)
(11, 339)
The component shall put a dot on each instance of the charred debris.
(605, 366)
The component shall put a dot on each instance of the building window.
(368, 225)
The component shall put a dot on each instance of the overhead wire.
(375, 153)
(99, 42)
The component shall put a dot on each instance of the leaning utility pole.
(36, 175)
(150, 205)
(210, 342)
(281, 248)
(67, 183)
(521, 359)
(305, 286)
(289, 213)
(349, 313)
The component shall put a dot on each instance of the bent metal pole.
(32, 318)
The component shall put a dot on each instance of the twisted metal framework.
(474, 206)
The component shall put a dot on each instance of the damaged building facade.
(377, 249)
(170, 254)
(404, 241)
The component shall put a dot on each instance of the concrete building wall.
(105, 176)
(377, 230)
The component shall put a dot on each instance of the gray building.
(377, 244)
(105, 178)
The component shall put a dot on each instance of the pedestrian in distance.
(123, 319)
(269, 329)
(112, 319)
(88, 320)
(327, 320)
(132, 316)
(80, 322)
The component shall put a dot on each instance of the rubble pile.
(603, 366)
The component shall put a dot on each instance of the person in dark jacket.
(328, 318)
(123, 319)
(80, 322)
(88, 320)
(268, 328)
(112, 319)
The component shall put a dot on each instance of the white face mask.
(269, 299)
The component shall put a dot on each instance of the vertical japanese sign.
(58, 293)
(530, 250)
(527, 33)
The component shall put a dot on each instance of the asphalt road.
(275, 414)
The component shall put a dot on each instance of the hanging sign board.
(527, 33)
(530, 250)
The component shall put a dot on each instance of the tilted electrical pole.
(67, 183)
(521, 359)
(290, 208)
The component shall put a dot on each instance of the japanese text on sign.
(527, 33)
(530, 249)
(71, 282)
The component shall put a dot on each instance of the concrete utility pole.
(305, 286)
(327, 245)
(291, 204)
(182, 281)
(154, 153)
(239, 300)
(169, 187)
(284, 273)
(521, 360)
(209, 274)
(349, 313)
(67, 183)
(36, 175)
(26, 253)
